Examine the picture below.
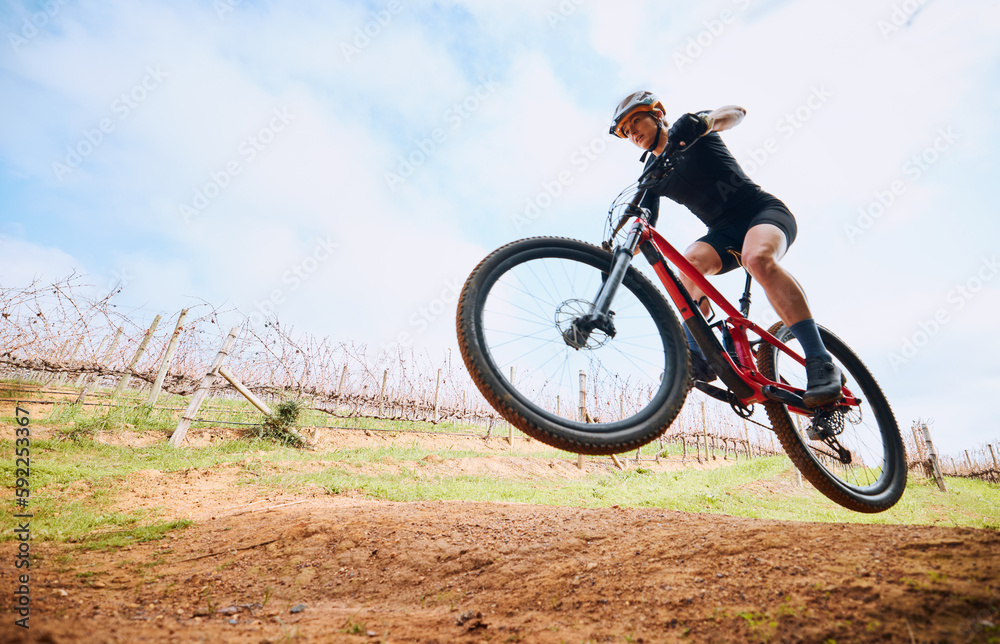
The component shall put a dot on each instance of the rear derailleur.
(827, 424)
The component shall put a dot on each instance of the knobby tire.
(611, 431)
(885, 483)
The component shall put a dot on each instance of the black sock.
(807, 333)
(691, 343)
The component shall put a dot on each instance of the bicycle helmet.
(635, 102)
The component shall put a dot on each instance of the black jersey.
(707, 179)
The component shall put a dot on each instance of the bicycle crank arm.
(715, 392)
(783, 396)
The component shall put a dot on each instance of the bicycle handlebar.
(664, 161)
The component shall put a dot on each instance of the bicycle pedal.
(782, 396)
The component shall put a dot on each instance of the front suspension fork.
(601, 316)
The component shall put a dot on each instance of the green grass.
(56, 464)
(728, 490)
(412, 451)
(140, 534)
(78, 422)
(398, 471)
(131, 413)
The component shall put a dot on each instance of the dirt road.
(264, 566)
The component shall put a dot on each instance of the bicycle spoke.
(530, 307)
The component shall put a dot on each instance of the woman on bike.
(740, 216)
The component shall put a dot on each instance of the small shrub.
(280, 426)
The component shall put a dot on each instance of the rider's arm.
(725, 118)
(652, 202)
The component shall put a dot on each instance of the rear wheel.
(852, 454)
(512, 314)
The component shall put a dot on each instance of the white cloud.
(23, 262)
(400, 251)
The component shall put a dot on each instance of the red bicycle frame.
(648, 239)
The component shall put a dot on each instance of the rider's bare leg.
(763, 246)
(704, 258)
(707, 262)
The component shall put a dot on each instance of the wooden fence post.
(510, 428)
(96, 378)
(994, 455)
(168, 357)
(52, 376)
(583, 409)
(935, 465)
(704, 427)
(437, 390)
(249, 395)
(381, 395)
(924, 462)
(199, 396)
(123, 381)
(340, 385)
(83, 376)
(61, 380)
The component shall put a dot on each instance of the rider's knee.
(702, 262)
(760, 265)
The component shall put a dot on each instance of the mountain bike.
(577, 348)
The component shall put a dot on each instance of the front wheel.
(851, 453)
(614, 393)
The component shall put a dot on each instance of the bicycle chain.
(767, 427)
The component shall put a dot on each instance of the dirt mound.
(336, 568)
(265, 565)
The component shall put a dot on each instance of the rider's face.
(640, 129)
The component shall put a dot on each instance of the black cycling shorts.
(732, 235)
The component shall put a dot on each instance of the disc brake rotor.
(569, 311)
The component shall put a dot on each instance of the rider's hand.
(688, 129)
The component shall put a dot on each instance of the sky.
(344, 165)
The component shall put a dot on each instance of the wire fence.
(58, 336)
